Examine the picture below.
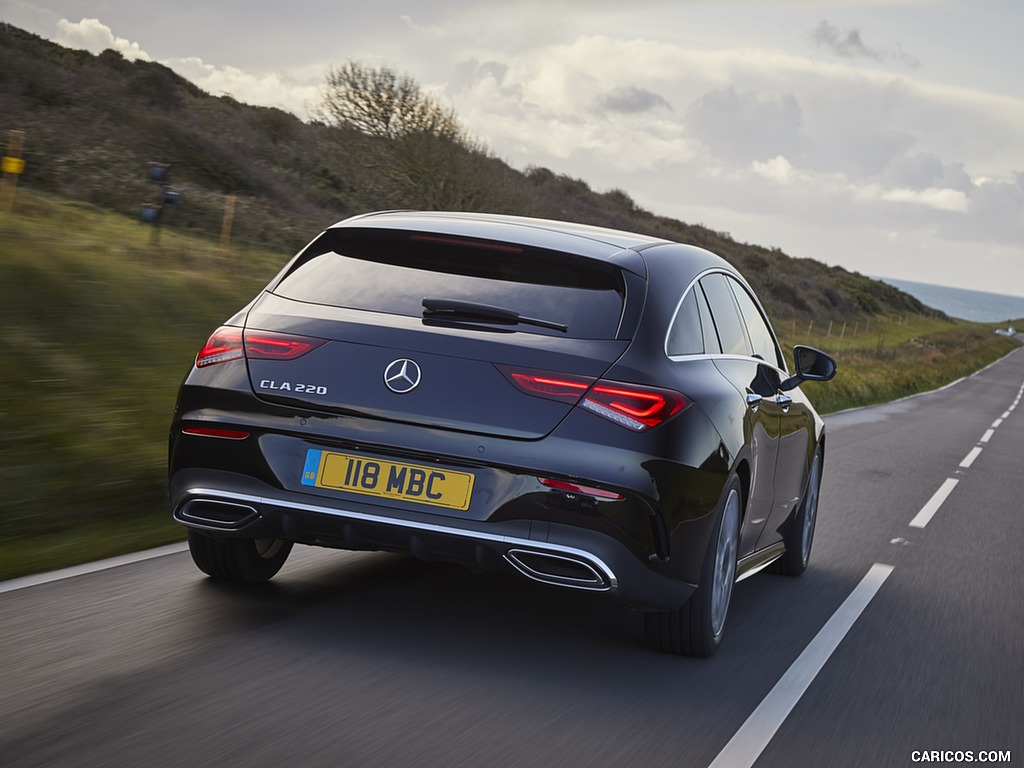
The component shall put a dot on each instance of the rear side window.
(392, 272)
(728, 322)
(685, 337)
(711, 345)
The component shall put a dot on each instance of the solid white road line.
(970, 457)
(99, 565)
(929, 509)
(753, 736)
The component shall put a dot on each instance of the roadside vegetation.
(98, 327)
(101, 315)
(898, 357)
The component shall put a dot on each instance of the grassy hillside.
(92, 123)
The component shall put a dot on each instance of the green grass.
(898, 356)
(98, 326)
(87, 541)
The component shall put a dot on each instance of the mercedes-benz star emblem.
(402, 376)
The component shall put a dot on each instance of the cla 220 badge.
(287, 386)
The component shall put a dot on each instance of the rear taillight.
(551, 386)
(633, 406)
(229, 343)
(260, 345)
(225, 344)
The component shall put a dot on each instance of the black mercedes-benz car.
(593, 409)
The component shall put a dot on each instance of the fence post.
(229, 218)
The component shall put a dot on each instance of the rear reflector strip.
(224, 434)
(585, 490)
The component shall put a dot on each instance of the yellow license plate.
(388, 479)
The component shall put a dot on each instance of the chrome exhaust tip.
(215, 515)
(561, 570)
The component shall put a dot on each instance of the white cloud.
(756, 135)
(91, 35)
(940, 199)
(778, 169)
(273, 89)
(292, 92)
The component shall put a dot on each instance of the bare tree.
(381, 103)
(415, 147)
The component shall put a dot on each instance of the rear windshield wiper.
(470, 310)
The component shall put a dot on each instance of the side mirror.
(811, 365)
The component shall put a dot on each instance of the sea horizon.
(979, 306)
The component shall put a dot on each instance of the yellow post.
(13, 166)
(229, 217)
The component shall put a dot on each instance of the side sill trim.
(758, 561)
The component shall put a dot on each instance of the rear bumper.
(229, 505)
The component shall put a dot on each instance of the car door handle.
(785, 401)
(754, 402)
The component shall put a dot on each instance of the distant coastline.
(978, 306)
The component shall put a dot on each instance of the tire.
(245, 561)
(800, 534)
(696, 629)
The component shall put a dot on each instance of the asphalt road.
(366, 659)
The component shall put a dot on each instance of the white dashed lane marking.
(922, 518)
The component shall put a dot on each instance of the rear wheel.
(696, 628)
(248, 561)
(800, 536)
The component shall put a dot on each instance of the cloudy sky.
(886, 136)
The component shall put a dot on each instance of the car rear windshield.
(393, 272)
